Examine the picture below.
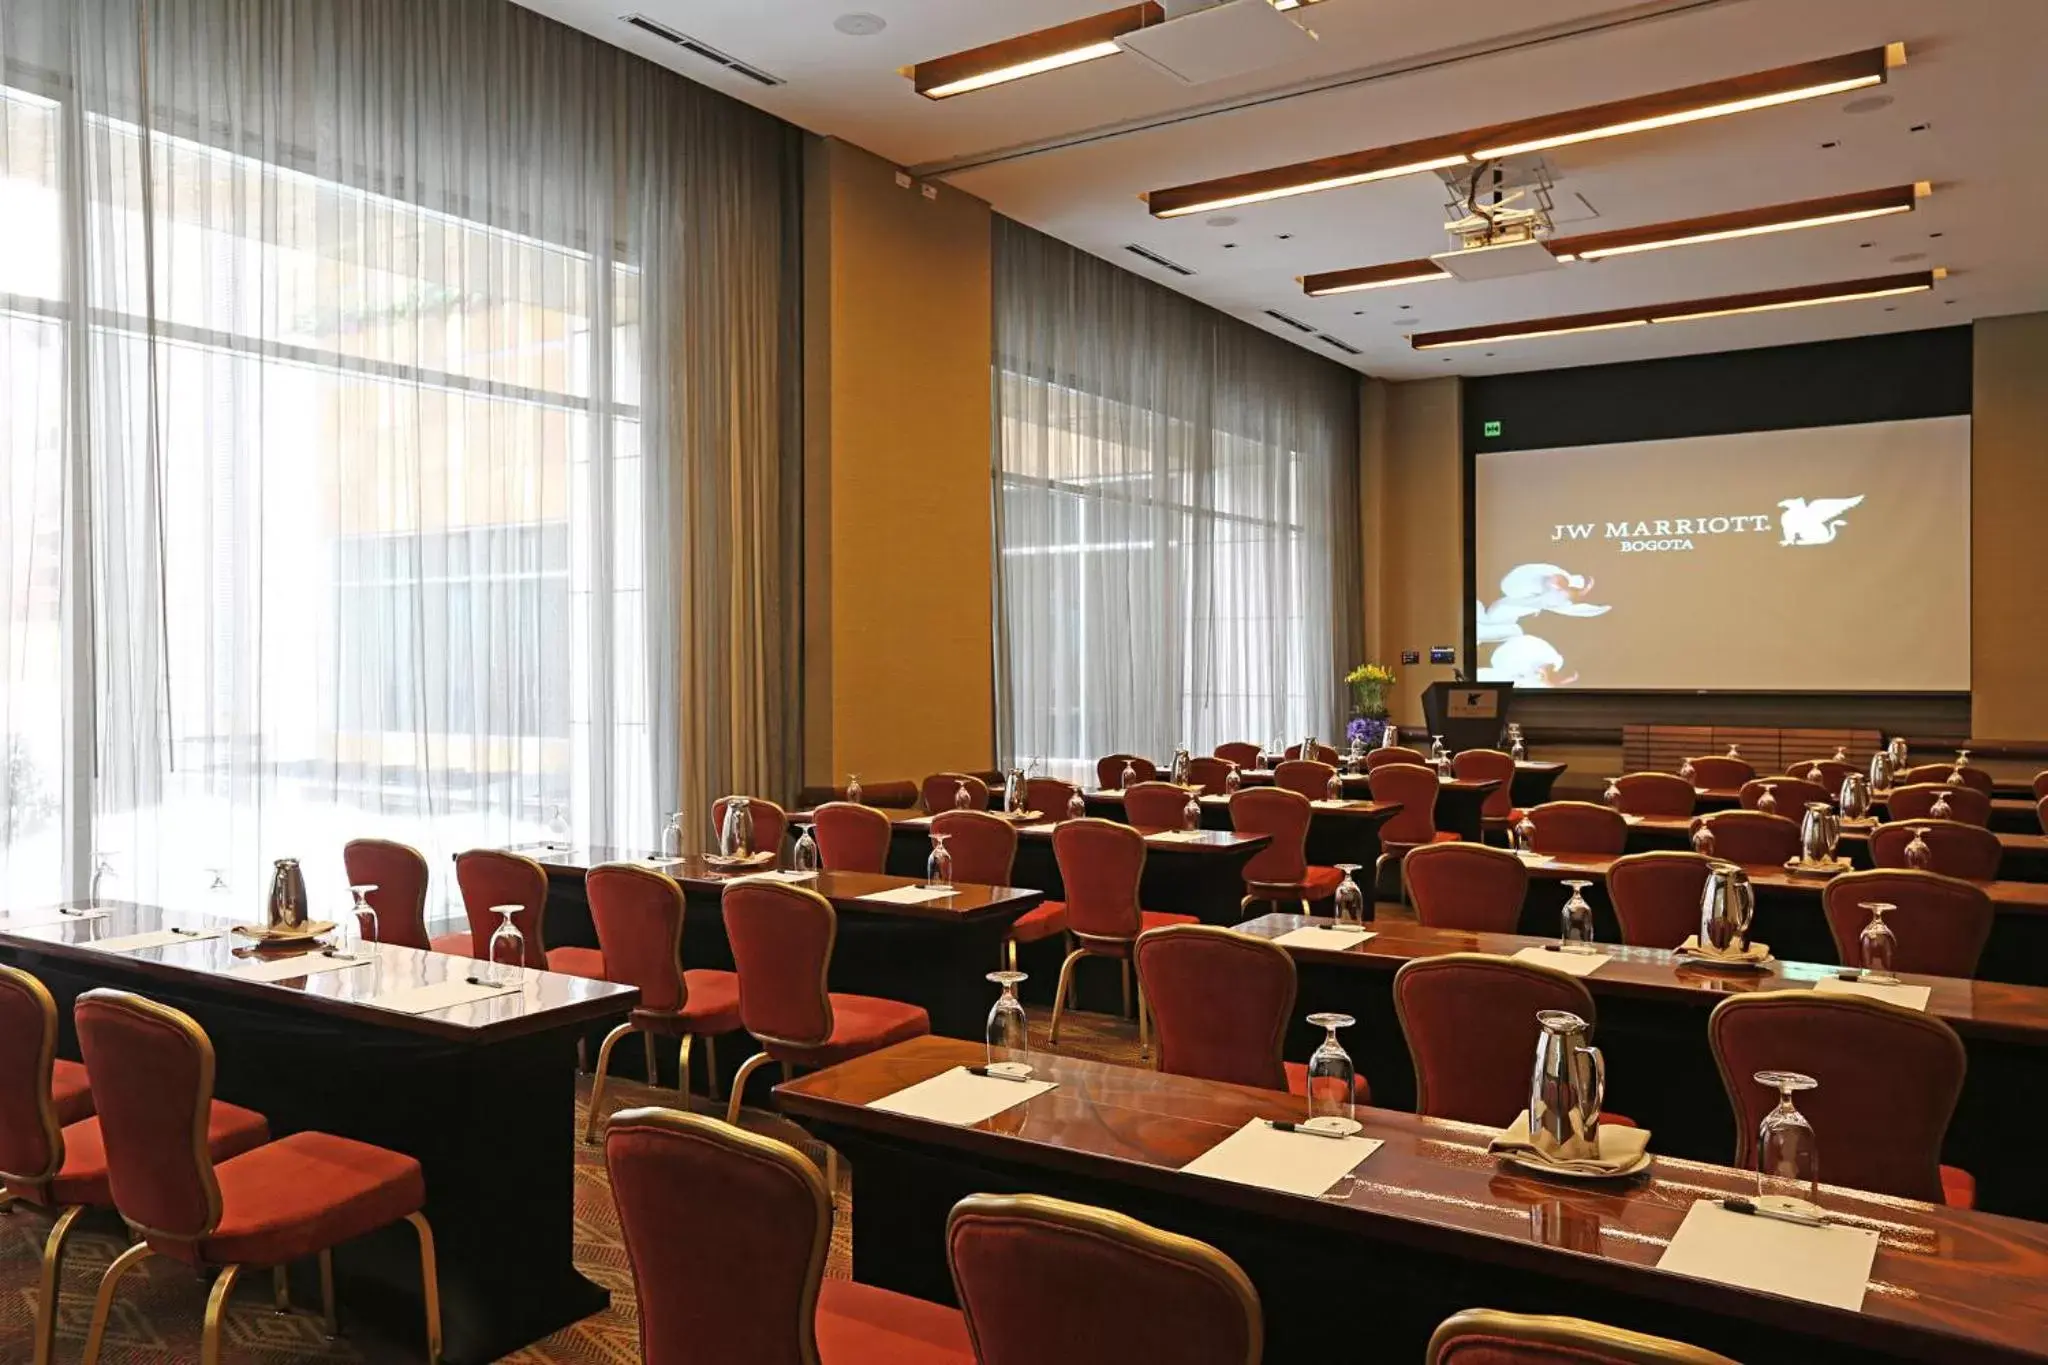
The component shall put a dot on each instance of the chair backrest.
(1940, 923)
(1415, 787)
(1466, 886)
(1221, 1002)
(31, 1139)
(900, 794)
(1101, 864)
(1246, 755)
(1487, 1336)
(1212, 775)
(1283, 816)
(1718, 772)
(1656, 897)
(770, 822)
(1311, 777)
(638, 914)
(1653, 794)
(1831, 772)
(2040, 785)
(1470, 1021)
(1324, 754)
(1789, 795)
(1577, 827)
(1155, 805)
(851, 838)
(491, 876)
(1109, 770)
(742, 1285)
(1889, 1078)
(1043, 1280)
(1489, 765)
(1752, 837)
(983, 845)
(399, 872)
(1954, 849)
(152, 1091)
(1977, 779)
(941, 792)
(1917, 802)
(2041, 814)
(1399, 753)
(781, 937)
(1049, 796)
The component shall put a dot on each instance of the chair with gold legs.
(1101, 865)
(262, 1208)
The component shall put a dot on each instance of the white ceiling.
(1069, 152)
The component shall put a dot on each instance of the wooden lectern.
(1468, 715)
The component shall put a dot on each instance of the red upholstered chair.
(1467, 886)
(782, 937)
(1825, 773)
(1247, 755)
(1889, 1078)
(1310, 777)
(261, 1208)
(1941, 923)
(399, 872)
(491, 876)
(1956, 849)
(1789, 795)
(2040, 785)
(1109, 770)
(1415, 787)
(983, 845)
(851, 838)
(1977, 779)
(1577, 827)
(896, 795)
(1752, 837)
(941, 792)
(639, 919)
(726, 1233)
(1653, 794)
(1656, 897)
(1486, 1336)
(1099, 1288)
(1220, 1003)
(1918, 802)
(1376, 759)
(1324, 754)
(2041, 814)
(1154, 805)
(1470, 1022)
(1498, 811)
(1718, 772)
(1049, 796)
(1101, 864)
(1212, 775)
(1280, 871)
(770, 822)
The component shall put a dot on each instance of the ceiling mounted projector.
(1197, 45)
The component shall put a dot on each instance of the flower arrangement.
(1369, 684)
(1365, 732)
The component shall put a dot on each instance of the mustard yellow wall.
(1414, 534)
(898, 632)
(2008, 506)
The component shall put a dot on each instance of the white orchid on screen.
(1527, 661)
(1529, 589)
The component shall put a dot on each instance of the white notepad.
(1316, 936)
(909, 895)
(1178, 836)
(297, 965)
(1827, 1265)
(1571, 964)
(1327, 804)
(1912, 997)
(439, 996)
(162, 938)
(1292, 1163)
(42, 919)
(790, 876)
(959, 1096)
(659, 863)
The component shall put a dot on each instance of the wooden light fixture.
(1030, 54)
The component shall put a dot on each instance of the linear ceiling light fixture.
(1714, 99)
(1689, 310)
(1030, 54)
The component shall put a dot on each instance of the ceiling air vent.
(1148, 254)
(699, 48)
(1296, 323)
(1346, 347)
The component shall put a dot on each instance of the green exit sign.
(1493, 428)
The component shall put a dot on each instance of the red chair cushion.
(305, 1193)
(1297, 1083)
(1159, 919)
(1321, 883)
(858, 1324)
(587, 963)
(70, 1092)
(1958, 1188)
(455, 945)
(713, 1006)
(860, 1024)
(1043, 920)
(230, 1131)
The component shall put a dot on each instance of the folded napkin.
(1620, 1148)
(1752, 954)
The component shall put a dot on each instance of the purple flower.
(1365, 730)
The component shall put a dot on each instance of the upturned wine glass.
(1735, 751)
(1768, 801)
(1191, 813)
(1128, 778)
(1612, 796)
(362, 917)
(558, 829)
(1331, 1076)
(507, 946)
(1009, 1028)
(805, 856)
(672, 836)
(1333, 790)
(938, 868)
(1350, 898)
(853, 792)
(1232, 781)
(1878, 944)
(1703, 839)
(1525, 835)
(1688, 772)
(1787, 1156)
(963, 799)
(1077, 808)
(1575, 933)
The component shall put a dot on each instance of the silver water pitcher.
(1882, 771)
(1727, 905)
(1013, 790)
(1820, 829)
(287, 896)
(1854, 797)
(1390, 738)
(736, 831)
(1179, 767)
(1566, 1089)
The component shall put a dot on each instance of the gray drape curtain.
(402, 437)
(1176, 518)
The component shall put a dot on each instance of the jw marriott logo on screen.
(1798, 522)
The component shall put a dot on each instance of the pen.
(1735, 1204)
(995, 1075)
(188, 933)
(1283, 1126)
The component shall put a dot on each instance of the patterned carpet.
(157, 1313)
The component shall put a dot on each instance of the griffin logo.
(1812, 523)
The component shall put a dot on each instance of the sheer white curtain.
(357, 408)
(1177, 518)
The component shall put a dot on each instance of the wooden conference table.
(2009, 815)
(1339, 832)
(482, 1094)
(2024, 857)
(1653, 1029)
(1426, 1225)
(1459, 800)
